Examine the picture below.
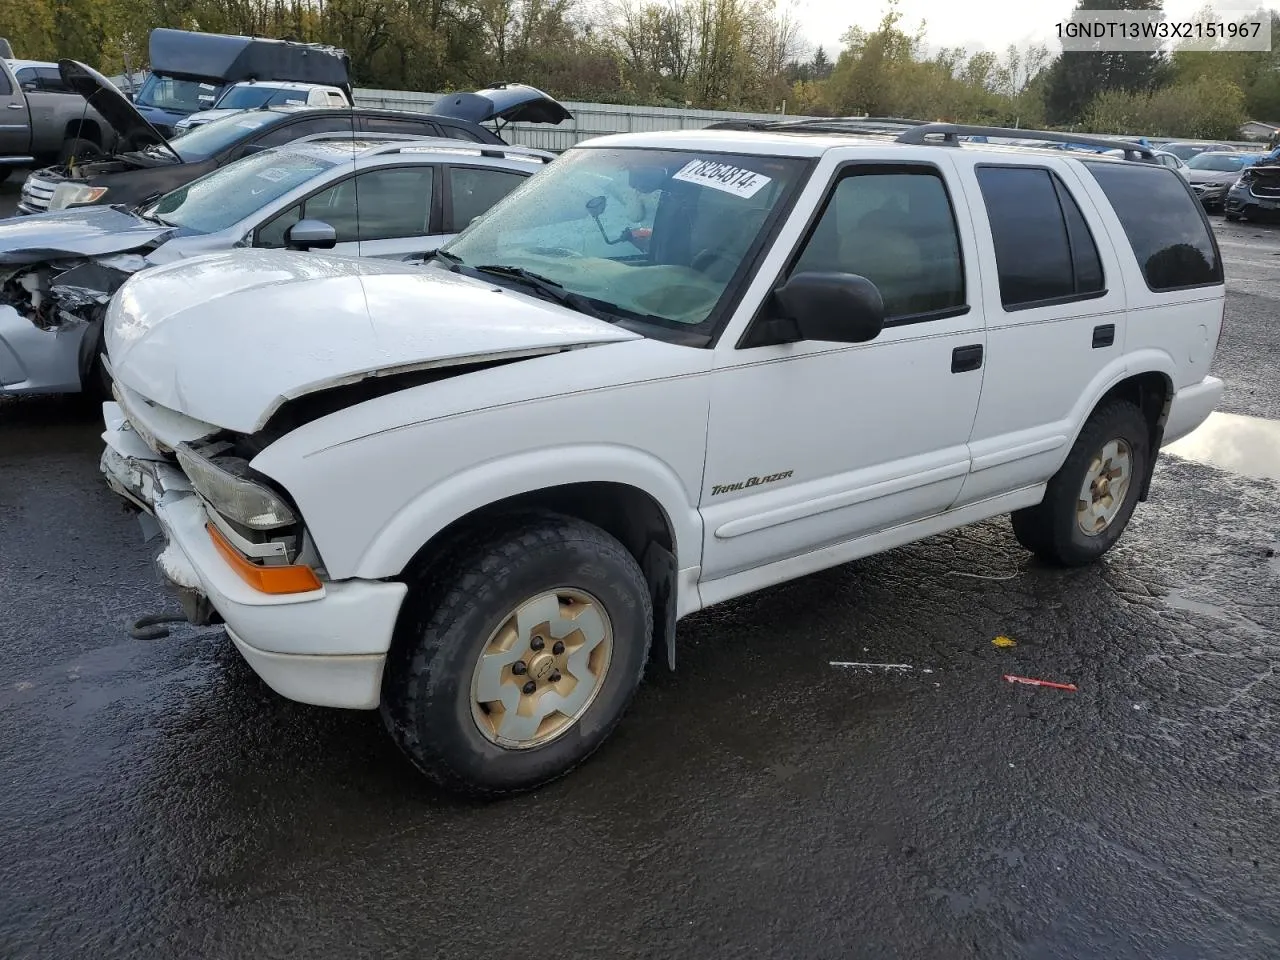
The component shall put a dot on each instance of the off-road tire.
(1049, 529)
(453, 607)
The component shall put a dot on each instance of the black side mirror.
(310, 235)
(833, 307)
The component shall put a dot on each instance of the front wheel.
(516, 657)
(1089, 501)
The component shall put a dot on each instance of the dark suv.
(146, 165)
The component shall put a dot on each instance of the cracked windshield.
(657, 235)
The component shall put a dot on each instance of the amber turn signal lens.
(274, 580)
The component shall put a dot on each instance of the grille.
(36, 195)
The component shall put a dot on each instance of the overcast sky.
(973, 24)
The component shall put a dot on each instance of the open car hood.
(509, 102)
(77, 232)
(130, 125)
(228, 338)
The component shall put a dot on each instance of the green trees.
(717, 54)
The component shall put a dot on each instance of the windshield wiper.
(444, 255)
(548, 288)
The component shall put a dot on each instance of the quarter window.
(1044, 250)
(894, 226)
(1164, 223)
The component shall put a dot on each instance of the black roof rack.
(951, 132)
(865, 125)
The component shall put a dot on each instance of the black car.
(145, 164)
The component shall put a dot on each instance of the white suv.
(668, 370)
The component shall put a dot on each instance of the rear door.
(15, 125)
(469, 193)
(399, 210)
(1055, 316)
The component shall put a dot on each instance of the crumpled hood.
(76, 232)
(228, 338)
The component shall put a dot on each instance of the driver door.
(813, 444)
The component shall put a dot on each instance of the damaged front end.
(51, 317)
(178, 473)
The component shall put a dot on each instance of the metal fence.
(589, 119)
(595, 119)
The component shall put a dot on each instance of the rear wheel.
(518, 655)
(1232, 216)
(1089, 501)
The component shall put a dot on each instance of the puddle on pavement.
(1249, 446)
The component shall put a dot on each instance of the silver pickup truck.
(42, 120)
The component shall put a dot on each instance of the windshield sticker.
(274, 174)
(207, 96)
(296, 103)
(207, 86)
(722, 176)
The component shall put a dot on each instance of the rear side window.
(1045, 253)
(460, 133)
(473, 190)
(1164, 223)
(411, 128)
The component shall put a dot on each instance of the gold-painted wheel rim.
(1105, 484)
(541, 669)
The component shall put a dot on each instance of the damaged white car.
(670, 370)
(382, 195)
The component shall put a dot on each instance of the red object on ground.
(1040, 683)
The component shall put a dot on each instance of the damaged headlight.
(239, 499)
(75, 195)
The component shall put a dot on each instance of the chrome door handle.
(15, 106)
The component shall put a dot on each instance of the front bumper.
(1248, 204)
(1210, 196)
(33, 360)
(325, 647)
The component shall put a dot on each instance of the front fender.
(391, 548)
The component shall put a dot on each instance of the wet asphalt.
(157, 800)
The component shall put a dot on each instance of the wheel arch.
(83, 128)
(629, 495)
(1147, 382)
